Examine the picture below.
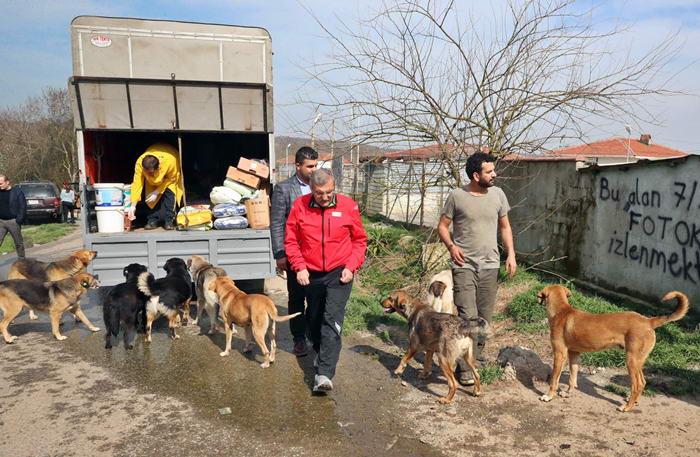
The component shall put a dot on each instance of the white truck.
(208, 86)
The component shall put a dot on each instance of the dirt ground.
(508, 418)
(74, 398)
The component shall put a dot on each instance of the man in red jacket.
(325, 245)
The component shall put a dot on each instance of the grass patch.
(38, 234)
(490, 372)
(364, 312)
(624, 391)
(675, 356)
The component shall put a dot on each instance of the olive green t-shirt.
(475, 225)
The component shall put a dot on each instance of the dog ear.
(212, 285)
(568, 292)
(189, 262)
(125, 271)
(541, 297)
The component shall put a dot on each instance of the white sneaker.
(322, 383)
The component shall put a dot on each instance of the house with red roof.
(618, 150)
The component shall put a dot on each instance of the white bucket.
(109, 194)
(110, 219)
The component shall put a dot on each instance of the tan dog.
(51, 271)
(254, 312)
(451, 337)
(203, 273)
(441, 293)
(573, 331)
(54, 298)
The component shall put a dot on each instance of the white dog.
(441, 293)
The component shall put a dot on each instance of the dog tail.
(146, 284)
(475, 326)
(272, 312)
(679, 313)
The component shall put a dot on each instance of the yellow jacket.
(167, 176)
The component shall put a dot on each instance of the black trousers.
(297, 298)
(66, 208)
(163, 211)
(326, 298)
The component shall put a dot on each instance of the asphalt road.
(74, 397)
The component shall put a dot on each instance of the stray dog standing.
(255, 312)
(203, 273)
(124, 303)
(54, 298)
(167, 296)
(573, 331)
(441, 293)
(51, 271)
(451, 337)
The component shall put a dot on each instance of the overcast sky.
(35, 47)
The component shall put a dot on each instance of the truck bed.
(244, 254)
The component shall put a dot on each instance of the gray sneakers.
(322, 383)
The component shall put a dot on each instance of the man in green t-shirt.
(477, 212)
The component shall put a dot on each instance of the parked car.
(43, 199)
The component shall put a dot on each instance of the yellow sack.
(196, 215)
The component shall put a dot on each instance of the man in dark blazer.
(13, 211)
(283, 197)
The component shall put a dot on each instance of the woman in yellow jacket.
(158, 181)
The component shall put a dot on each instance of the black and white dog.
(167, 296)
(123, 305)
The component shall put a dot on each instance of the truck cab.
(206, 89)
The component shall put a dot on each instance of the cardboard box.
(258, 212)
(242, 177)
(253, 166)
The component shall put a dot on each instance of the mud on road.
(75, 398)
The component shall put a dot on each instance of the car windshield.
(38, 190)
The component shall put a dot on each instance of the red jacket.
(321, 239)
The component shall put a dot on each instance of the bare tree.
(37, 139)
(515, 80)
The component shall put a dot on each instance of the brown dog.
(573, 331)
(51, 271)
(254, 312)
(451, 337)
(54, 298)
(203, 273)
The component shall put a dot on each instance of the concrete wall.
(645, 229)
(550, 203)
(631, 228)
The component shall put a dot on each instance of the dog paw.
(176, 337)
(61, 337)
(265, 365)
(622, 408)
(108, 346)
(398, 371)
(33, 317)
(94, 329)
(564, 393)
(546, 398)
(444, 401)
(223, 354)
(422, 375)
(11, 340)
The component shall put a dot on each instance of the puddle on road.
(359, 418)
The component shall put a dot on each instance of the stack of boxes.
(255, 175)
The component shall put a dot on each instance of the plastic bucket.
(109, 194)
(110, 219)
